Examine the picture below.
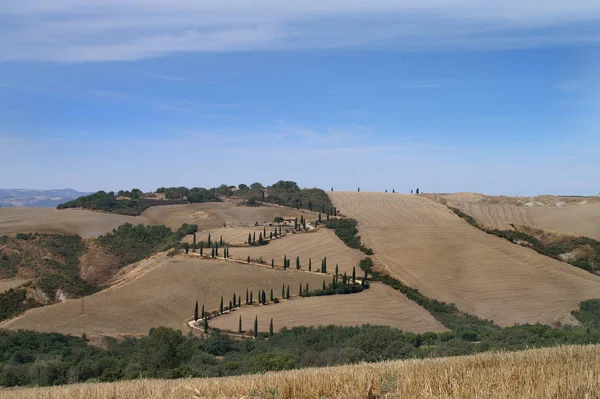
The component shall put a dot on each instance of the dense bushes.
(28, 358)
(131, 243)
(108, 202)
(346, 230)
(13, 302)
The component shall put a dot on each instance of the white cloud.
(105, 30)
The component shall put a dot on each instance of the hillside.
(37, 198)
(581, 218)
(567, 372)
(425, 245)
(379, 305)
(161, 295)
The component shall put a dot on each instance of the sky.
(444, 95)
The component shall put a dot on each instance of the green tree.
(364, 282)
(354, 275)
(324, 268)
(194, 238)
(196, 312)
(272, 298)
(248, 260)
(264, 232)
(234, 301)
(306, 292)
(255, 326)
(206, 325)
(297, 263)
(270, 235)
(203, 313)
(216, 249)
(284, 262)
(201, 248)
(283, 291)
(212, 252)
(300, 290)
(246, 296)
(240, 325)
(260, 239)
(287, 292)
(272, 263)
(221, 305)
(271, 328)
(187, 248)
(324, 287)
(264, 297)
(249, 239)
(251, 301)
(336, 269)
(230, 306)
(309, 264)
(221, 241)
(209, 240)
(254, 237)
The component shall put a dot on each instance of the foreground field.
(317, 245)
(425, 245)
(209, 215)
(379, 305)
(160, 295)
(567, 372)
(577, 220)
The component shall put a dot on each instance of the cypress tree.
(271, 328)
(279, 230)
(300, 290)
(272, 299)
(251, 298)
(194, 237)
(284, 262)
(221, 305)
(283, 291)
(304, 224)
(212, 252)
(209, 239)
(336, 269)
(319, 217)
(254, 237)
(196, 312)
(264, 232)
(393, 191)
(260, 239)
(365, 279)
(333, 283)
(203, 313)
(217, 250)
(359, 189)
(230, 306)
(324, 287)
(246, 296)
(306, 289)
(309, 264)
(240, 325)
(201, 248)
(328, 217)
(264, 297)
(270, 235)
(325, 265)
(345, 279)
(354, 275)
(206, 325)
(221, 241)
(297, 263)
(234, 301)
(287, 293)
(248, 260)
(255, 326)
(187, 248)
(289, 263)
(272, 263)
(263, 195)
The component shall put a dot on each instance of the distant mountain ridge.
(39, 198)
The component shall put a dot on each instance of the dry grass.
(428, 247)
(577, 220)
(7, 284)
(315, 245)
(567, 372)
(379, 305)
(86, 223)
(159, 292)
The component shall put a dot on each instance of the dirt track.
(379, 305)
(428, 247)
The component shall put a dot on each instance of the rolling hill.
(425, 245)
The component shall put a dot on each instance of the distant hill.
(39, 198)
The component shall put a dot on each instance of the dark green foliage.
(297, 263)
(255, 326)
(248, 260)
(271, 328)
(196, 311)
(240, 325)
(131, 243)
(272, 297)
(272, 263)
(13, 302)
(187, 229)
(107, 202)
(287, 292)
(589, 313)
(221, 305)
(309, 264)
(346, 230)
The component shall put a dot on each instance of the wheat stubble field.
(425, 245)
(568, 372)
(315, 245)
(86, 223)
(577, 220)
(162, 295)
(379, 305)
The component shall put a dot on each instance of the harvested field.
(68, 221)
(577, 220)
(162, 295)
(314, 245)
(210, 215)
(7, 284)
(379, 305)
(425, 245)
(231, 235)
(567, 372)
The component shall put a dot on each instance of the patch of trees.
(15, 301)
(286, 193)
(42, 359)
(108, 202)
(346, 230)
(588, 257)
(130, 243)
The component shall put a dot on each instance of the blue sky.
(443, 95)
